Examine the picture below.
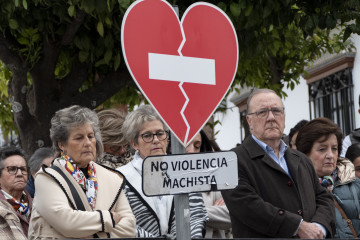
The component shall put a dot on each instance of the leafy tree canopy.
(56, 53)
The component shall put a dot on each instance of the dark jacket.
(269, 203)
(347, 192)
(30, 186)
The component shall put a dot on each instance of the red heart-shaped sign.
(184, 68)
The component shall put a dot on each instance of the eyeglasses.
(264, 113)
(13, 170)
(149, 137)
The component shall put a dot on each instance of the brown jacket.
(10, 227)
(23, 219)
(269, 203)
(53, 216)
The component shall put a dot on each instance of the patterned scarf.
(89, 185)
(22, 206)
(328, 181)
(114, 162)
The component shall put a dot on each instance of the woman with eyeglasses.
(75, 197)
(14, 198)
(155, 216)
(116, 152)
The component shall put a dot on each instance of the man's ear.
(248, 119)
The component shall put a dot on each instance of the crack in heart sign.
(184, 69)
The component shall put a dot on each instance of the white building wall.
(296, 105)
(229, 130)
(356, 79)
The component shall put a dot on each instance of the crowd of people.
(89, 183)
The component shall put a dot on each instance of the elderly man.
(278, 194)
(40, 156)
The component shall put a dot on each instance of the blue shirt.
(281, 160)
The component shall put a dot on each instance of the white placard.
(185, 173)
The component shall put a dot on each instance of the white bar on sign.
(181, 69)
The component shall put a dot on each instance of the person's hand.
(310, 231)
(116, 217)
(219, 202)
(168, 237)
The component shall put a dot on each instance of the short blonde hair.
(110, 123)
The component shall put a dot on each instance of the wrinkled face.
(154, 147)
(194, 145)
(13, 182)
(81, 145)
(357, 166)
(269, 128)
(324, 155)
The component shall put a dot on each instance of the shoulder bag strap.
(74, 193)
(348, 221)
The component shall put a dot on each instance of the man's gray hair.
(72, 117)
(257, 91)
(136, 119)
(38, 157)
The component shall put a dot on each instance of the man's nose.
(270, 115)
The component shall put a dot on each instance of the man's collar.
(282, 146)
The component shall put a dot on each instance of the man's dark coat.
(268, 202)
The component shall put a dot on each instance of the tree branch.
(17, 84)
(43, 76)
(74, 80)
(105, 87)
(276, 71)
(9, 57)
(73, 27)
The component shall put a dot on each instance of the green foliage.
(6, 117)
(277, 38)
(127, 96)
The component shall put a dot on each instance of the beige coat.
(53, 216)
(219, 224)
(10, 226)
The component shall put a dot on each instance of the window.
(244, 126)
(240, 100)
(333, 97)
